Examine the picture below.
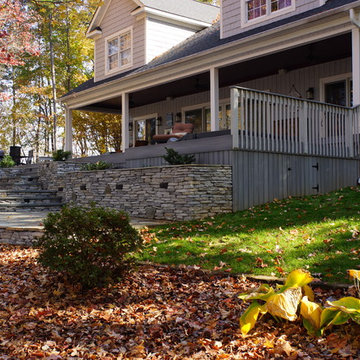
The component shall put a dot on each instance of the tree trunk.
(53, 83)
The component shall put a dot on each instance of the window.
(119, 51)
(200, 116)
(255, 9)
(337, 90)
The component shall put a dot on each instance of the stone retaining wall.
(19, 236)
(168, 192)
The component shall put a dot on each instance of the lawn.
(319, 233)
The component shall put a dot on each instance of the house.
(271, 77)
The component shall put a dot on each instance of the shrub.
(7, 162)
(91, 246)
(174, 158)
(100, 165)
(61, 155)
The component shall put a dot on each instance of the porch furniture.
(141, 143)
(178, 131)
(15, 153)
(29, 158)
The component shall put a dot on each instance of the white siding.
(162, 36)
(118, 17)
(302, 79)
(231, 15)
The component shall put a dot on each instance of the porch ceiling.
(312, 54)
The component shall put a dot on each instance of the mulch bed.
(155, 313)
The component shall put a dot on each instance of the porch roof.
(208, 39)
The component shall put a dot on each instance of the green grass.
(318, 233)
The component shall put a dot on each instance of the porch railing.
(264, 121)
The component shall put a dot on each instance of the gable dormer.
(130, 33)
(238, 16)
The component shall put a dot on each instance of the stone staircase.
(20, 190)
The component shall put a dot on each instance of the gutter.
(219, 48)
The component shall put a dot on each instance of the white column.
(125, 121)
(214, 98)
(68, 129)
(356, 65)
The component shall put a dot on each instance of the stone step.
(34, 200)
(27, 192)
(13, 207)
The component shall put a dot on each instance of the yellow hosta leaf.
(308, 292)
(347, 304)
(261, 293)
(285, 304)
(249, 317)
(297, 278)
(311, 312)
(354, 274)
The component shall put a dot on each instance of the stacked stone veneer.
(167, 192)
(19, 236)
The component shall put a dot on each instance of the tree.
(16, 36)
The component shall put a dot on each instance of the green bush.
(61, 155)
(91, 246)
(100, 165)
(7, 162)
(174, 158)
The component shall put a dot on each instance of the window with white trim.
(255, 9)
(119, 51)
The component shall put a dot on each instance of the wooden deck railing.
(264, 121)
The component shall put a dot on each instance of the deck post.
(214, 98)
(234, 94)
(303, 127)
(68, 129)
(125, 117)
(356, 65)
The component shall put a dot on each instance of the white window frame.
(112, 37)
(269, 15)
(332, 79)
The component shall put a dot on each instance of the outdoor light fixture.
(310, 94)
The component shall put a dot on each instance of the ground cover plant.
(167, 313)
(7, 162)
(318, 233)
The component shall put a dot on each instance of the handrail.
(292, 97)
(266, 121)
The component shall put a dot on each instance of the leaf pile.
(156, 313)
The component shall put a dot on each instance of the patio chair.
(178, 131)
(29, 159)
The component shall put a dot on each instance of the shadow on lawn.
(286, 213)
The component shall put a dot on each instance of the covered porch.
(296, 95)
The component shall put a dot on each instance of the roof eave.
(220, 47)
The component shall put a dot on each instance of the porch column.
(125, 121)
(356, 65)
(214, 98)
(68, 129)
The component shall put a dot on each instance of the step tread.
(30, 205)
(29, 191)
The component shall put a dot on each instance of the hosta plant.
(285, 302)
(282, 303)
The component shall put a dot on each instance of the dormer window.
(119, 51)
(254, 11)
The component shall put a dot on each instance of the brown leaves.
(156, 313)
